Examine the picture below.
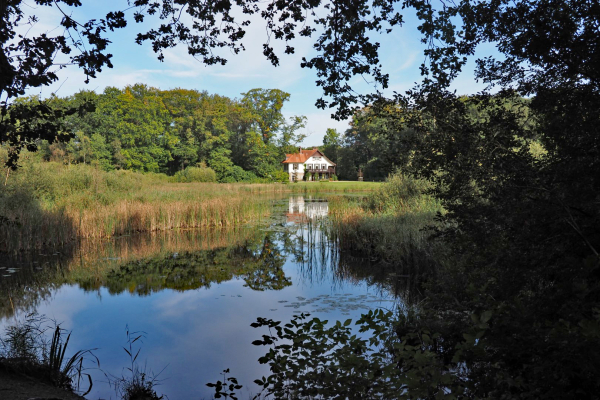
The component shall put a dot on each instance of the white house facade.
(310, 165)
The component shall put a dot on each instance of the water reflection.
(139, 264)
(194, 293)
(300, 209)
(256, 259)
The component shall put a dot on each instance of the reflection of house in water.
(301, 209)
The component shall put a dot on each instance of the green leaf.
(485, 316)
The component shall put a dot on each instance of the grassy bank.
(389, 226)
(333, 186)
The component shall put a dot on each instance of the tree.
(290, 137)
(142, 122)
(515, 307)
(365, 138)
(182, 106)
(378, 142)
(28, 62)
(331, 143)
(331, 138)
(265, 106)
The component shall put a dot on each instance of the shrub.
(281, 176)
(310, 360)
(238, 174)
(196, 174)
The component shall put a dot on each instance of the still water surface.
(194, 295)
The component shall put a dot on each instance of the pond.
(193, 294)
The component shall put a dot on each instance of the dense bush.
(196, 174)
(237, 174)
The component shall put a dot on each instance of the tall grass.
(47, 204)
(26, 349)
(389, 226)
(334, 187)
(50, 205)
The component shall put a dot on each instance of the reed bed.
(334, 187)
(128, 217)
(43, 228)
(46, 204)
(49, 205)
(389, 226)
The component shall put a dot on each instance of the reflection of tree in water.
(257, 261)
(142, 264)
(26, 281)
(319, 257)
(268, 273)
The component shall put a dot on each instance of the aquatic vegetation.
(136, 383)
(389, 226)
(345, 303)
(27, 350)
(51, 205)
(225, 388)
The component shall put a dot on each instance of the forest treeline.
(197, 136)
(146, 129)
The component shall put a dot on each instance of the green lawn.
(334, 186)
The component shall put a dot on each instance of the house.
(311, 165)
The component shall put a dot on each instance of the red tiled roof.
(300, 157)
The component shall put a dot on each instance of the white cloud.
(230, 75)
(409, 62)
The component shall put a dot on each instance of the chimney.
(300, 150)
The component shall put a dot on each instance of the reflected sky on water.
(193, 293)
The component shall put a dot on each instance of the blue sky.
(401, 54)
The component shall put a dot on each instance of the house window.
(324, 166)
(295, 166)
